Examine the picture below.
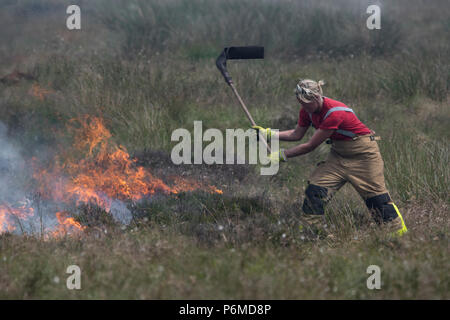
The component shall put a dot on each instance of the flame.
(186, 184)
(93, 170)
(67, 225)
(38, 92)
(10, 216)
(105, 172)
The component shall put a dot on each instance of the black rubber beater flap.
(250, 52)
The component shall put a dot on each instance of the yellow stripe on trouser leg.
(403, 229)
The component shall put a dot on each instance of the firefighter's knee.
(314, 200)
(382, 208)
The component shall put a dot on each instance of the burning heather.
(94, 171)
(38, 92)
(66, 225)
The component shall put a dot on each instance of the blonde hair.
(308, 89)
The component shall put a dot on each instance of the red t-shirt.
(343, 120)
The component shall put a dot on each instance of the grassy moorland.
(148, 67)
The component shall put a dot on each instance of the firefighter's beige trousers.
(356, 161)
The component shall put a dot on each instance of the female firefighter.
(354, 156)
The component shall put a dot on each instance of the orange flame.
(96, 170)
(185, 185)
(38, 92)
(9, 216)
(67, 225)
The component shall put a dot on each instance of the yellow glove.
(266, 133)
(277, 156)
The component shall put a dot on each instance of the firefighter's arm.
(293, 135)
(318, 137)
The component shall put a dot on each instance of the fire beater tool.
(239, 53)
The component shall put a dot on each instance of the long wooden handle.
(249, 116)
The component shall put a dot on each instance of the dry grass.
(174, 261)
(148, 68)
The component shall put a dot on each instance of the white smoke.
(12, 179)
(15, 175)
(11, 165)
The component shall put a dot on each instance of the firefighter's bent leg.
(315, 198)
(326, 180)
(385, 211)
